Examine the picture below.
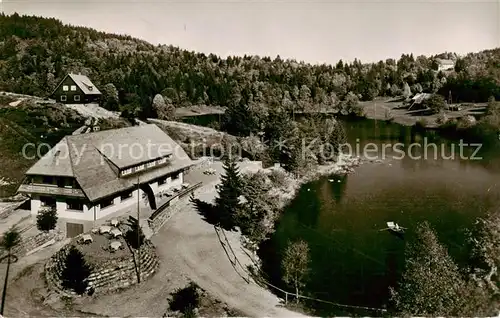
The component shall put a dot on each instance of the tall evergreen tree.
(76, 271)
(229, 192)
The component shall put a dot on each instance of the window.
(126, 171)
(139, 168)
(175, 176)
(149, 165)
(47, 202)
(61, 182)
(74, 205)
(162, 181)
(73, 88)
(126, 195)
(162, 161)
(106, 203)
(77, 98)
(65, 88)
(48, 180)
(63, 98)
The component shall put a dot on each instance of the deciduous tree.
(432, 284)
(295, 265)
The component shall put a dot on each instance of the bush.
(185, 300)
(46, 219)
(278, 178)
(421, 123)
(436, 103)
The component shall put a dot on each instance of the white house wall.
(118, 205)
(90, 212)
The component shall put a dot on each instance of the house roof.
(94, 159)
(83, 82)
(420, 97)
(445, 62)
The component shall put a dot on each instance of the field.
(386, 108)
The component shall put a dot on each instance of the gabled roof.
(83, 82)
(94, 159)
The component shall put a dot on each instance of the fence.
(259, 278)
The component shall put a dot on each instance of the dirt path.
(189, 249)
(198, 252)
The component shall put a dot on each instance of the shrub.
(46, 219)
(421, 123)
(442, 118)
(185, 300)
(278, 178)
(436, 103)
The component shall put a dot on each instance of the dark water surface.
(352, 261)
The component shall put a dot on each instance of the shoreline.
(344, 164)
(284, 195)
(288, 192)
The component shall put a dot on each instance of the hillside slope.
(35, 53)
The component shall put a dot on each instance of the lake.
(352, 261)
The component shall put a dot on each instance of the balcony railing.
(40, 189)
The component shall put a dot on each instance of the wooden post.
(286, 298)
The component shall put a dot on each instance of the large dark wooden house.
(76, 89)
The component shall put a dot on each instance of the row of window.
(61, 182)
(144, 166)
(109, 202)
(173, 177)
(67, 88)
(76, 98)
(77, 205)
(71, 204)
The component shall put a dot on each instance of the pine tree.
(229, 192)
(76, 271)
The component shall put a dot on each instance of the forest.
(36, 53)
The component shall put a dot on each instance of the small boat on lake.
(392, 226)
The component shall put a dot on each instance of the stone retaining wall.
(160, 220)
(30, 243)
(108, 276)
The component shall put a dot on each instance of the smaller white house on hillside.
(445, 65)
(90, 176)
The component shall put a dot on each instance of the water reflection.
(353, 262)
